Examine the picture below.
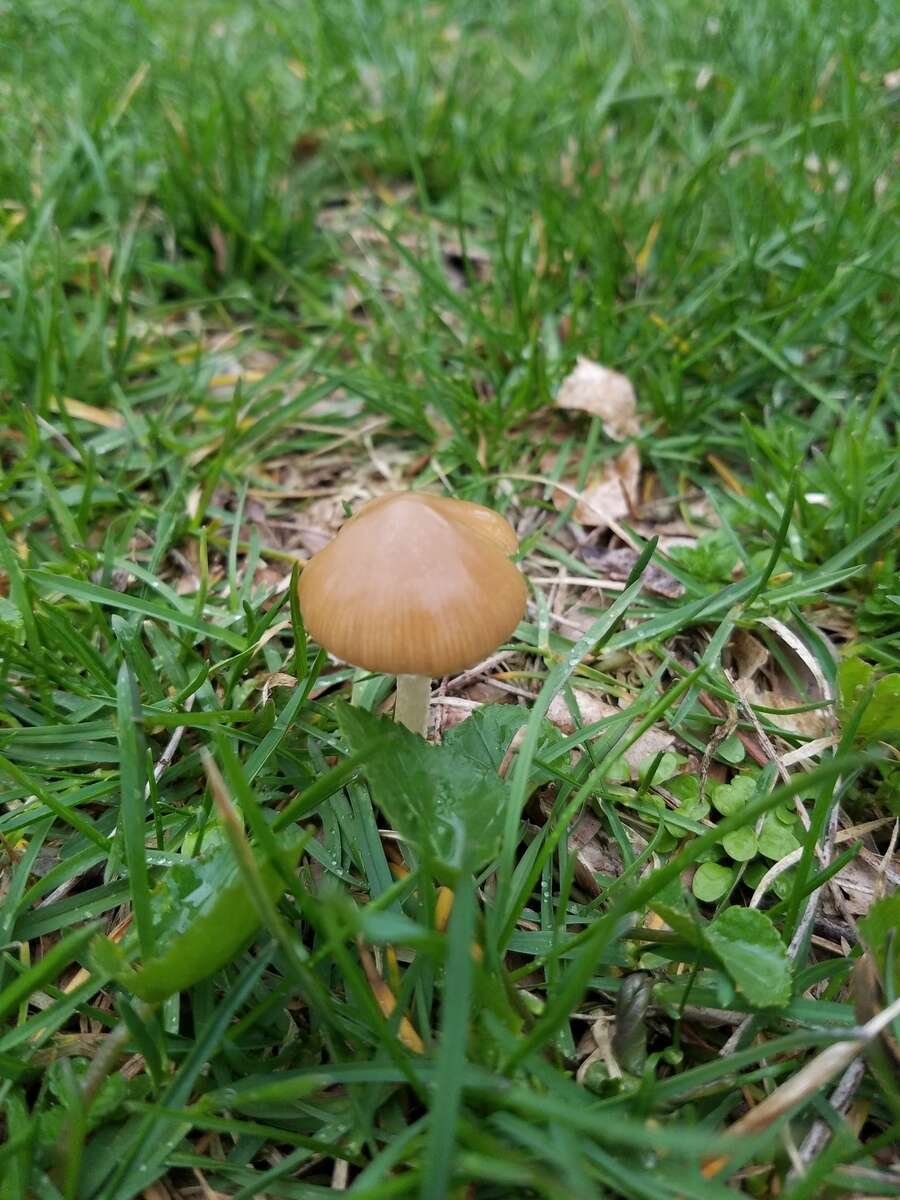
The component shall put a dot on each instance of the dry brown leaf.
(603, 393)
(749, 654)
(812, 724)
(591, 708)
(652, 742)
(594, 853)
(618, 564)
(387, 1002)
(861, 884)
(606, 496)
(319, 522)
(602, 1051)
(275, 680)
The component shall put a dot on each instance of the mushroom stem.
(411, 703)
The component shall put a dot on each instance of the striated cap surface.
(415, 585)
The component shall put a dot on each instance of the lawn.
(262, 262)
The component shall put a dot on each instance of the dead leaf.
(607, 495)
(749, 654)
(619, 563)
(317, 524)
(591, 709)
(861, 884)
(603, 393)
(277, 679)
(600, 1039)
(594, 853)
(106, 417)
(812, 724)
(387, 1001)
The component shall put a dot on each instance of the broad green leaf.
(670, 904)
(202, 918)
(447, 800)
(711, 881)
(485, 737)
(882, 920)
(729, 798)
(881, 720)
(740, 845)
(712, 559)
(854, 674)
(732, 749)
(776, 840)
(666, 768)
(486, 734)
(748, 946)
(686, 790)
(881, 717)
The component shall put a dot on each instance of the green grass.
(253, 256)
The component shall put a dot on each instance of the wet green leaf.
(881, 718)
(729, 798)
(877, 927)
(776, 840)
(447, 800)
(202, 918)
(732, 749)
(749, 948)
(740, 845)
(711, 881)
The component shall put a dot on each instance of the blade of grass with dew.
(599, 631)
(133, 812)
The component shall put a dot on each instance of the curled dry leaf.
(278, 679)
(603, 393)
(609, 492)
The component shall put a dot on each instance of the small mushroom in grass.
(415, 586)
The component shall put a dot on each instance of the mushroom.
(414, 586)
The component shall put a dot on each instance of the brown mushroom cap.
(415, 585)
